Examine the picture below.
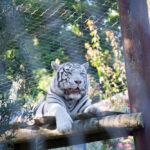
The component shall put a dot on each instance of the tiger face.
(70, 80)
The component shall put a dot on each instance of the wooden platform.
(86, 128)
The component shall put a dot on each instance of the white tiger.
(67, 95)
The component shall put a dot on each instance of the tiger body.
(67, 95)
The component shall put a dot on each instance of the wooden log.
(135, 26)
(87, 129)
(51, 120)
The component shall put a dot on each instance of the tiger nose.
(77, 82)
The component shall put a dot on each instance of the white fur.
(92, 109)
(63, 119)
(71, 84)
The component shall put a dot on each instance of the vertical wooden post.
(135, 27)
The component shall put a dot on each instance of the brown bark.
(134, 19)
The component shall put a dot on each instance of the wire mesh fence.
(35, 32)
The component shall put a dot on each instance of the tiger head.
(70, 80)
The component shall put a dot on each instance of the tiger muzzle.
(73, 91)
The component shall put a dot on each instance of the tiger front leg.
(63, 119)
(92, 109)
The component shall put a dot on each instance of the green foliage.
(104, 53)
(20, 58)
(7, 110)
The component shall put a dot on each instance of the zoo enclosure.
(23, 54)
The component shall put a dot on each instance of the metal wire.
(34, 33)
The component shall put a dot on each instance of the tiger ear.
(54, 65)
(85, 65)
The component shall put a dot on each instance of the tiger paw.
(64, 123)
(92, 109)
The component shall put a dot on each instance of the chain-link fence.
(35, 32)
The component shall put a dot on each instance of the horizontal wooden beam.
(86, 128)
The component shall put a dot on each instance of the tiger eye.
(67, 70)
(69, 73)
(83, 74)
